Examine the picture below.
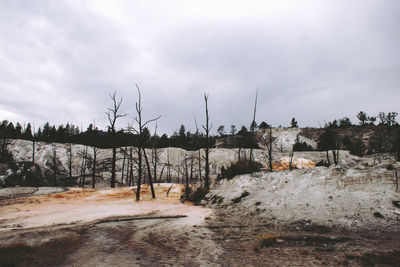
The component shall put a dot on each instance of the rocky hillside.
(363, 140)
(343, 197)
(47, 155)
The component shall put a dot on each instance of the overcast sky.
(312, 60)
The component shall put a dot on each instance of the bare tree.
(154, 154)
(269, 149)
(69, 154)
(123, 164)
(329, 140)
(130, 166)
(168, 167)
(281, 147)
(95, 153)
(198, 143)
(191, 168)
(55, 164)
(252, 128)
(140, 146)
(207, 129)
(179, 167)
(335, 154)
(186, 170)
(33, 144)
(83, 166)
(128, 154)
(112, 115)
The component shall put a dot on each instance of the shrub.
(5, 155)
(239, 198)
(198, 195)
(298, 146)
(396, 203)
(378, 215)
(322, 163)
(238, 168)
(355, 146)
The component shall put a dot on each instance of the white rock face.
(285, 138)
(22, 151)
(328, 196)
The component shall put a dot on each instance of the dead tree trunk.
(335, 154)
(55, 164)
(191, 169)
(139, 132)
(83, 167)
(269, 147)
(179, 168)
(112, 115)
(153, 195)
(199, 165)
(327, 158)
(187, 189)
(161, 173)
(252, 128)
(95, 153)
(131, 180)
(113, 165)
(154, 163)
(33, 150)
(168, 167)
(69, 151)
(139, 178)
(198, 144)
(123, 167)
(34, 136)
(207, 129)
(154, 155)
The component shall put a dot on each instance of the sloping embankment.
(335, 196)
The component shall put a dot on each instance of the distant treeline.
(243, 138)
(92, 136)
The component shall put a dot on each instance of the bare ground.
(168, 233)
(255, 242)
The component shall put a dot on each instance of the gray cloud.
(311, 60)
